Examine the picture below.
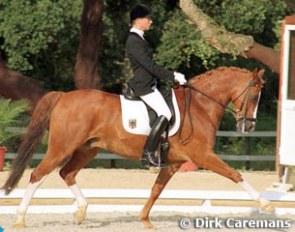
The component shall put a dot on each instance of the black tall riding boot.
(152, 144)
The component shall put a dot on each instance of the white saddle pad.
(136, 120)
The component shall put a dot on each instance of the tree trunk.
(265, 55)
(87, 65)
(226, 42)
(15, 86)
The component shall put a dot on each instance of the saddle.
(167, 94)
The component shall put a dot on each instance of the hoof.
(266, 206)
(269, 208)
(147, 224)
(20, 221)
(80, 214)
(19, 225)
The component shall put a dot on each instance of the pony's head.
(246, 102)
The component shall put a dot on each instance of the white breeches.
(156, 101)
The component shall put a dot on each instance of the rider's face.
(144, 24)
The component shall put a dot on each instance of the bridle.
(243, 107)
(245, 103)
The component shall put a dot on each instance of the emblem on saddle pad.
(132, 123)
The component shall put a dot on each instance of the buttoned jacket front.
(145, 70)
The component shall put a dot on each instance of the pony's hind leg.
(23, 207)
(38, 175)
(216, 165)
(162, 179)
(79, 160)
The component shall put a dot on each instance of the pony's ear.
(254, 72)
(260, 73)
(257, 77)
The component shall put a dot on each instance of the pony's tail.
(36, 129)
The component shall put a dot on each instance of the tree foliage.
(181, 48)
(37, 35)
(250, 17)
(10, 112)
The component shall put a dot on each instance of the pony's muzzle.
(245, 125)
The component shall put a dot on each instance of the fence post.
(248, 151)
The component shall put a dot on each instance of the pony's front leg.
(163, 177)
(264, 203)
(23, 207)
(215, 164)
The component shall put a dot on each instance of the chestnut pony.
(83, 121)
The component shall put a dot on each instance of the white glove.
(180, 78)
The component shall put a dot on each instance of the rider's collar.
(137, 31)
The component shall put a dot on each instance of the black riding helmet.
(139, 11)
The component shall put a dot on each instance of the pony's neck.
(218, 84)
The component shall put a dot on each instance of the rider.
(146, 72)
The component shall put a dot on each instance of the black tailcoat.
(145, 70)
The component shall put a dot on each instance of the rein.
(187, 102)
(186, 107)
(211, 98)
